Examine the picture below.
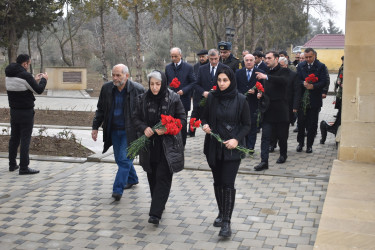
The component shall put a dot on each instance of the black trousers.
(225, 172)
(21, 123)
(160, 181)
(309, 122)
(281, 132)
(184, 129)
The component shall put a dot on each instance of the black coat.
(275, 88)
(204, 80)
(319, 69)
(237, 122)
(185, 74)
(243, 86)
(196, 96)
(173, 147)
(104, 112)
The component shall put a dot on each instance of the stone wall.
(358, 117)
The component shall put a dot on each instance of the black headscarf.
(155, 103)
(229, 92)
(163, 88)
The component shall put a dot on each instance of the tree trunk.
(244, 25)
(171, 23)
(138, 62)
(252, 41)
(103, 46)
(205, 27)
(39, 45)
(235, 40)
(13, 45)
(70, 38)
(29, 50)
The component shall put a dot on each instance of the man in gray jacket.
(21, 87)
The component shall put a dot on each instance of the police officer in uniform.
(227, 58)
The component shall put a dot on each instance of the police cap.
(225, 45)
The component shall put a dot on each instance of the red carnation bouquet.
(175, 83)
(306, 95)
(203, 101)
(194, 123)
(172, 126)
(258, 86)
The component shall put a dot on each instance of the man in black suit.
(207, 76)
(308, 118)
(203, 59)
(259, 64)
(185, 74)
(246, 79)
(276, 116)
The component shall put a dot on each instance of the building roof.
(326, 41)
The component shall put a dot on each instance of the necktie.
(213, 72)
(175, 65)
(309, 66)
(248, 75)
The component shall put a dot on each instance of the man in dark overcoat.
(246, 79)
(276, 116)
(308, 117)
(203, 59)
(184, 72)
(207, 77)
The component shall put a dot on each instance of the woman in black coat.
(164, 155)
(226, 114)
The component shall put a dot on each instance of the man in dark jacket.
(207, 77)
(184, 72)
(203, 59)
(259, 64)
(246, 79)
(227, 58)
(21, 86)
(276, 117)
(293, 96)
(115, 114)
(308, 114)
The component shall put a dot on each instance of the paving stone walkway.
(69, 205)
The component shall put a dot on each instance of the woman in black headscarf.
(226, 114)
(164, 155)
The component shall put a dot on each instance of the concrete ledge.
(348, 216)
(50, 158)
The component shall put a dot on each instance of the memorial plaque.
(72, 77)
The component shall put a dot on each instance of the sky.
(339, 17)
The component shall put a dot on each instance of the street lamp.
(229, 32)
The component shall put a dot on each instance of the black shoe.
(116, 196)
(13, 168)
(129, 185)
(261, 166)
(271, 149)
(299, 148)
(225, 230)
(281, 159)
(153, 220)
(295, 130)
(28, 171)
(309, 150)
(191, 134)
